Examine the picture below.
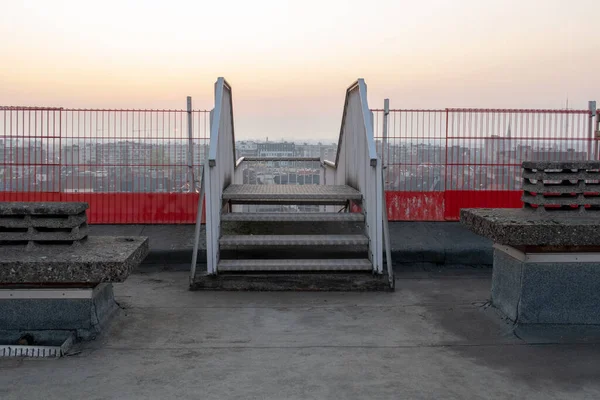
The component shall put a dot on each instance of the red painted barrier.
(124, 208)
(415, 206)
(454, 200)
(180, 208)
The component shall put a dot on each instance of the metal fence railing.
(439, 161)
(132, 166)
(135, 166)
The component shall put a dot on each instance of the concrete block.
(546, 292)
(506, 284)
(43, 221)
(31, 223)
(41, 235)
(100, 259)
(42, 208)
(560, 293)
(523, 227)
(85, 315)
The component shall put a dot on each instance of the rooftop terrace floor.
(434, 337)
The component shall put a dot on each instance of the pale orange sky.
(290, 62)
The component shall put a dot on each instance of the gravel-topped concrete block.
(42, 208)
(100, 259)
(39, 235)
(521, 227)
(42, 221)
(542, 165)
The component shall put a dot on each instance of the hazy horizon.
(289, 64)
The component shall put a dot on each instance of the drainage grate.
(33, 351)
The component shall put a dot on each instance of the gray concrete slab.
(525, 227)
(426, 245)
(432, 338)
(98, 259)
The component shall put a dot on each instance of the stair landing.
(290, 194)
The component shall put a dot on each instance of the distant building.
(246, 149)
(276, 149)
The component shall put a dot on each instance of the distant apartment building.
(276, 149)
(246, 149)
(323, 151)
(177, 153)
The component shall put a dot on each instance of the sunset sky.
(289, 62)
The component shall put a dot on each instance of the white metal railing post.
(191, 180)
(386, 113)
(386, 241)
(199, 211)
(592, 132)
(209, 214)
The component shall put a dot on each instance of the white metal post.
(593, 133)
(200, 210)
(386, 112)
(210, 251)
(191, 181)
(384, 152)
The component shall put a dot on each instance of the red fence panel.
(415, 206)
(413, 153)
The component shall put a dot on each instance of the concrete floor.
(434, 338)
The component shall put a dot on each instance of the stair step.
(352, 264)
(293, 217)
(290, 194)
(293, 240)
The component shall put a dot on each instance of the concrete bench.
(53, 276)
(547, 255)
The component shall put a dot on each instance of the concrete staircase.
(293, 241)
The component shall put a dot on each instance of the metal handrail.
(328, 163)
(218, 175)
(357, 165)
(368, 121)
(242, 159)
(220, 85)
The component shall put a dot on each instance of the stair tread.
(293, 240)
(351, 264)
(293, 217)
(291, 192)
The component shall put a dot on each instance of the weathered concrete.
(314, 282)
(38, 223)
(100, 259)
(521, 227)
(431, 339)
(43, 221)
(568, 186)
(44, 317)
(546, 292)
(586, 165)
(42, 208)
(423, 245)
(35, 235)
